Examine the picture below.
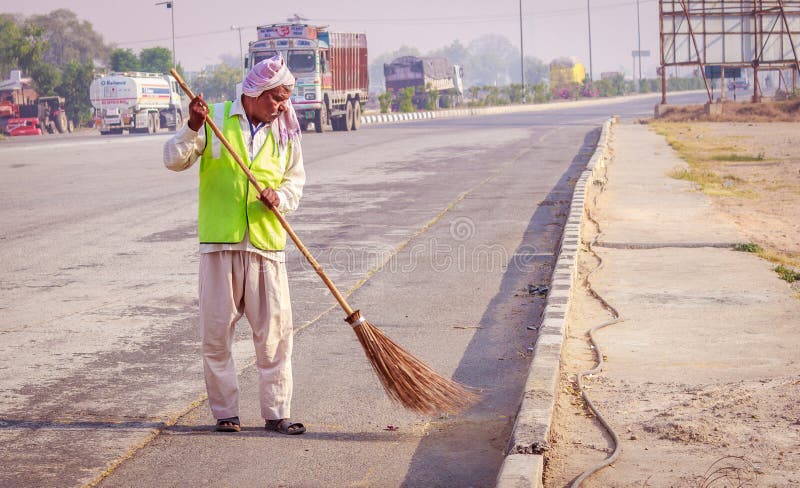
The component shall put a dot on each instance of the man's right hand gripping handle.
(198, 112)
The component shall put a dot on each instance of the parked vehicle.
(52, 115)
(330, 69)
(27, 126)
(137, 102)
(433, 76)
(739, 84)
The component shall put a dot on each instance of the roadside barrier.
(523, 465)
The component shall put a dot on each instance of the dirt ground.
(768, 111)
(752, 173)
(673, 436)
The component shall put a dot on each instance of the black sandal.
(285, 426)
(230, 424)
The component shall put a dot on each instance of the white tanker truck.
(138, 102)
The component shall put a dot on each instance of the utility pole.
(589, 17)
(171, 6)
(241, 51)
(521, 53)
(639, 41)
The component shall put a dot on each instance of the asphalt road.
(436, 226)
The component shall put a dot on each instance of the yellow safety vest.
(228, 203)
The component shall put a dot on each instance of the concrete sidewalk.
(705, 363)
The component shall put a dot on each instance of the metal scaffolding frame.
(760, 34)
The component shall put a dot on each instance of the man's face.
(270, 104)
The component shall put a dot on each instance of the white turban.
(268, 74)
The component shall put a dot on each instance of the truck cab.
(330, 71)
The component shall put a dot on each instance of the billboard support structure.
(759, 34)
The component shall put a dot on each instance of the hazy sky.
(203, 27)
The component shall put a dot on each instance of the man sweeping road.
(242, 266)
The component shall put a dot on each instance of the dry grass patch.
(704, 155)
(737, 158)
(711, 183)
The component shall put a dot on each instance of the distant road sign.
(715, 72)
(640, 54)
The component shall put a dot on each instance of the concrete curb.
(524, 462)
(468, 112)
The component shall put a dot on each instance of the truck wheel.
(321, 119)
(61, 123)
(70, 126)
(348, 116)
(356, 115)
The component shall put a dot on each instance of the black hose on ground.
(599, 366)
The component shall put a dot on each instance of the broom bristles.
(407, 380)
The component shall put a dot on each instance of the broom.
(407, 380)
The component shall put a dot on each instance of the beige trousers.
(236, 282)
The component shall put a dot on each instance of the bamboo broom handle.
(335, 291)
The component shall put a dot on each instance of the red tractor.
(48, 110)
(52, 115)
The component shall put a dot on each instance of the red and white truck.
(137, 102)
(330, 69)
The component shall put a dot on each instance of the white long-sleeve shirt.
(186, 146)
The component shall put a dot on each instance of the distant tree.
(124, 60)
(21, 45)
(536, 71)
(74, 87)
(515, 93)
(217, 83)
(605, 88)
(542, 93)
(155, 60)
(234, 62)
(385, 100)
(405, 99)
(46, 78)
(494, 96)
(618, 82)
(231, 60)
(474, 95)
(491, 57)
(9, 38)
(456, 53)
(70, 39)
(431, 97)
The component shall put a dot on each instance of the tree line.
(62, 54)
